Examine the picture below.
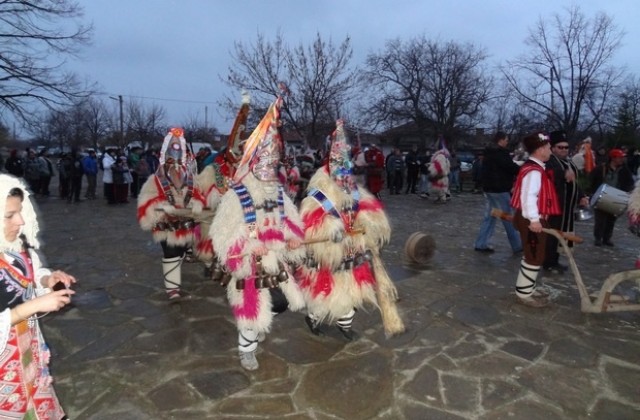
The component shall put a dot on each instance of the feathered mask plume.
(263, 148)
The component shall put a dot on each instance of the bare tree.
(439, 86)
(35, 39)
(323, 84)
(626, 118)
(505, 113)
(97, 120)
(197, 131)
(145, 124)
(567, 76)
(318, 76)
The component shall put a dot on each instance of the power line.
(164, 99)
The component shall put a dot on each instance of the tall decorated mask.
(263, 148)
(340, 164)
(174, 148)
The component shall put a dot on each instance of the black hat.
(534, 141)
(556, 137)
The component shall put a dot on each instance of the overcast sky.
(177, 50)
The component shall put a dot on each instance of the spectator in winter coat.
(32, 170)
(90, 169)
(76, 177)
(499, 172)
(15, 164)
(46, 172)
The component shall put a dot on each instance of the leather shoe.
(556, 268)
(533, 302)
(348, 333)
(486, 250)
(314, 327)
(608, 243)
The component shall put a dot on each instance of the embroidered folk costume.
(345, 227)
(535, 200)
(168, 204)
(214, 182)
(257, 233)
(25, 382)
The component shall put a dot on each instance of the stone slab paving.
(122, 352)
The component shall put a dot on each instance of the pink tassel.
(270, 234)
(250, 299)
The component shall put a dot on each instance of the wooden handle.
(310, 241)
(203, 215)
(506, 216)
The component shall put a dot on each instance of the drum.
(420, 247)
(610, 200)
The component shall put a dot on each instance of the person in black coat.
(616, 174)
(565, 179)
(498, 174)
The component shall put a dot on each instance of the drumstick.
(508, 217)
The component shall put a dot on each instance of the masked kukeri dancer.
(633, 212)
(214, 182)
(439, 175)
(168, 204)
(257, 234)
(345, 226)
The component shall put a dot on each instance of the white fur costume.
(235, 245)
(212, 183)
(332, 292)
(167, 205)
(633, 211)
(439, 174)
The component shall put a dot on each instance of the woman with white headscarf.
(25, 292)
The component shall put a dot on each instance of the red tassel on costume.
(303, 278)
(205, 247)
(324, 283)
(363, 274)
(314, 218)
(295, 229)
(370, 205)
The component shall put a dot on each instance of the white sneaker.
(248, 360)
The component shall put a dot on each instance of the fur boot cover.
(235, 243)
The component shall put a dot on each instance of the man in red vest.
(535, 199)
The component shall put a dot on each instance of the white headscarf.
(30, 228)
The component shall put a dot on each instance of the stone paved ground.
(122, 352)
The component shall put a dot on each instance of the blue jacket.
(90, 165)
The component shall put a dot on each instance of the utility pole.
(121, 103)
(121, 121)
